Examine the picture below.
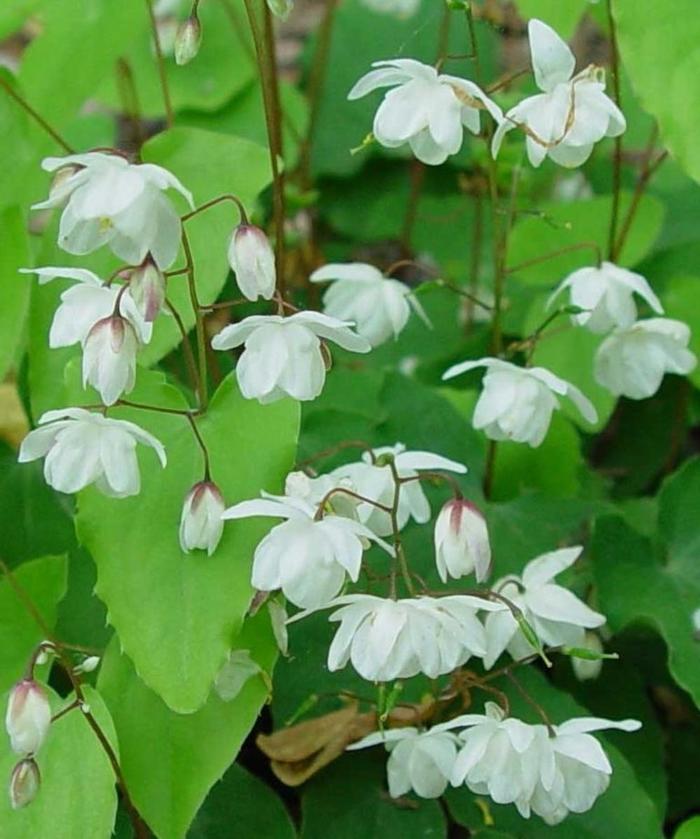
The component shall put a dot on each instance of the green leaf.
(351, 795)
(77, 795)
(634, 586)
(663, 62)
(242, 800)
(14, 254)
(689, 829)
(44, 583)
(210, 165)
(176, 614)
(563, 17)
(87, 41)
(624, 810)
(559, 226)
(221, 69)
(171, 760)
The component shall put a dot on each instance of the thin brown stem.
(345, 491)
(202, 445)
(180, 412)
(214, 201)
(489, 469)
(617, 154)
(452, 482)
(531, 702)
(202, 392)
(396, 534)
(9, 89)
(160, 61)
(130, 99)
(417, 178)
(339, 447)
(528, 263)
(190, 360)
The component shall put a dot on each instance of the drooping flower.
(632, 362)
(571, 114)
(557, 616)
(308, 558)
(397, 639)
(109, 357)
(111, 201)
(378, 306)
(201, 525)
(252, 259)
(461, 541)
(517, 403)
(86, 303)
(147, 290)
(419, 761)
(188, 40)
(373, 478)
(28, 717)
(24, 783)
(607, 294)
(427, 110)
(83, 448)
(283, 356)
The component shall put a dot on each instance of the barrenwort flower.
(109, 358)
(462, 541)
(252, 259)
(28, 717)
(201, 525)
(24, 783)
(188, 40)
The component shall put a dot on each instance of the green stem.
(617, 154)
(160, 61)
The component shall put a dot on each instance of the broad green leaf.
(559, 226)
(689, 829)
(243, 800)
(210, 165)
(561, 16)
(176, 614)
(171, 760)
(679, 526)
(44, 583)
(552, 468)
(81, 46)
(223, 66)
(634, 586)
(14, 254)
(35, 520)
(351, 795)
(663, 62)
(624, 809)
(77, 795)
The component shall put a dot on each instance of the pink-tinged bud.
(109, 357)
(188, 40)
(251, 256)
(24, 783)
(462, 541)
(201, 524)
(147, 290)
(28, 717)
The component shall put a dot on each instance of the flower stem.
(9, 89)
(214, 201)
(513, 269)
(190, 360)
(202, 392)
(617, 154)
(161, 65)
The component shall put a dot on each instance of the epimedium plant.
(455, 579)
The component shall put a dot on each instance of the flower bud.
(586, 669)
(461, 541)
(89, 665)
(147, 290)
(250, 255)
(24, 783)
(281, 8)
(188, 40)
(28, 717)
(109, 357)
(201, 524)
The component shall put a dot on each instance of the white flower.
(83, 448)
(373, 478)
(109, 358)
(400, 8)
(571, 114)
(557, 616)
(283, 356)
(397, 639)
(201, 524)
(549, 774)
(426, 110)
(586, 669)
(188, 40)
(421, 761)
(378, 305)
(607, 293)
(517, 403)
(307, 558)
(315, 491)
(24, 783)
(251, 257)
(85, 303)
(28, 717)
(147, 290)
(461, 541)
(577, 772)
(114, 202)
(632, 362)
